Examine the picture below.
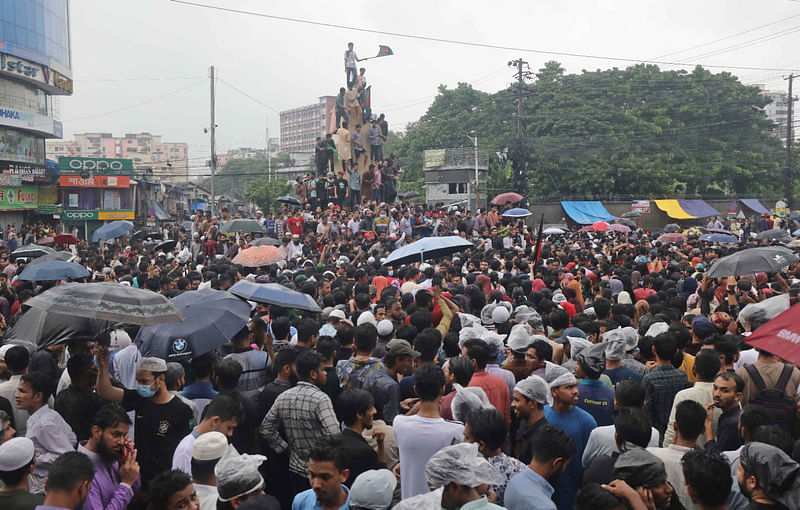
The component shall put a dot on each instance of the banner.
(642, 206)
(17, 198)
(95, 181)
(95, 166)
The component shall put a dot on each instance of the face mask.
(391, 273)
(144, 390)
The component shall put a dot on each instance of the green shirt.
(20, 500)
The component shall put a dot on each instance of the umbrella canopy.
(53, 270)
(510, 196)
(242, 225)
(427, 248)
(144, 234)
(600, 226)
(753, 260)
(627, 222)
(257, 256)
(773, 234)
(274, 294)
(112, 230)
(408, 194)
(265, 241)
(587, 228)
(46, 240)
(66, 238)
(553, 230)
(213, 317)
(167, 246)
(619, 227)
(289, 200)
(187, 224)
(719, 231)
(108, 301)
(672, 227)
(631, 214)
(31, 250)
(43, 328)
(780, 336)
(672, 238)
(517, 212)
(719, 238)
(63, 256)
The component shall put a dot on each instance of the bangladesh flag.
(384, 51)
(366, 103)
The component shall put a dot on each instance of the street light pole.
(477, 185)
(213, 148)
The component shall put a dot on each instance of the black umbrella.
(31, 250)
(631, 214)
(108, 301)
(625, 221)
(766, 259)
(43, 328)
(774, 233)
(408, 194)
(672, 227)
(242, 225)
(63, 256)
(265, 241)
(144, 234)
(289, 200)
(167, 246)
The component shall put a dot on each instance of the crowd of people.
(601, 371)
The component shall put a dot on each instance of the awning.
(673, 209)
(755, 205)
(586, 213)
(155, 209)
(686, 209)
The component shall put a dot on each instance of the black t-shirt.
(362, 456)
(341, 187)
(158, 429)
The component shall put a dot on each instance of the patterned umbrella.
(108, 301)
(672, 237)
(46, 240)
(257, 256)
(619, 227)
(32, 250)
(510, 196)
(587, 228)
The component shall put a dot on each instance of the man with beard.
(116, 472)
(69, 482)
(769, 477)
(357, 409)
(328, 469)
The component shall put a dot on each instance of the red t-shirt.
(295, 225)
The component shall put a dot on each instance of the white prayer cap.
(16, 453)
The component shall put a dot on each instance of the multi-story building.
(778, 112)
(301, 126)
(35, 68)
(150, 155)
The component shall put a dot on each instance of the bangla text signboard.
(17, 198)
(95, 181)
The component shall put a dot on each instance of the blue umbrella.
(427, 248)
(517, 212)
(213, 317)
(112, 230)
(719, 238)
(274, 294)
(53, 270)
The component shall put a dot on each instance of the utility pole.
(789, 139)
(269, 156)
(213, 148)
(519, 180)
(477, 186)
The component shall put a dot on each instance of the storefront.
(15, 204)
(93, 191)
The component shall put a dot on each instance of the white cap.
(500, 315)
(385, 327)
(534, 388)
(4, 349)
(336, 314)
(373, 489)
(210, 446)
(367, 318)
(15, 453)
(152, 365)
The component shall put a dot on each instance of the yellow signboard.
(115, 215)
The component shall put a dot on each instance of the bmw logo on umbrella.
(179, 345)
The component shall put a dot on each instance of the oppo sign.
(97, 166)
(91, 165)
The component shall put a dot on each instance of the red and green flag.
(383, 51)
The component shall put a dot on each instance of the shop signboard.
(90, 215)
(49, 209)
(95, 181)
(13, 66)
(18, 198)
(79, 215)
(116, 215)
(24, 172)
(42, 124)
(641, 206)
(95, 166)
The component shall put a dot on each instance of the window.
(457, 188)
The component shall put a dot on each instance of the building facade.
(778, 112)
(168, 161)
(450, 176)
(35, 68)
(301, 126)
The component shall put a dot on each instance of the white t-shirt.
(182, 458)
(418, 439)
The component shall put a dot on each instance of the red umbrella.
(619, 227)
(780, 336)
(600, 226)
(587, 228)
(672, 238)
(66, 239)
(510, 196)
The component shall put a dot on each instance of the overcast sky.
(143, 65)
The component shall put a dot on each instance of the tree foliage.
(264, 193)
(235, 177)
(618, 133)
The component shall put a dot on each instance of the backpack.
(774, 399)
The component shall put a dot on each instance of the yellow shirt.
(688, 367)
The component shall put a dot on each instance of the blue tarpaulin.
(698, 208)
(755, 205)
(586, 213)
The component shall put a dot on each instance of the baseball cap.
(575, 332)
(400, 347)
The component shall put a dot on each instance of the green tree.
(264, 193)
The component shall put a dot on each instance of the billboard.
(95, 181)
(95, 166)
(18, 198)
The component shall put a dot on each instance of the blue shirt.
(529, 491)
(578, 424)
(203, 389)
(307, 500)
(597, 400)
(621, 373)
